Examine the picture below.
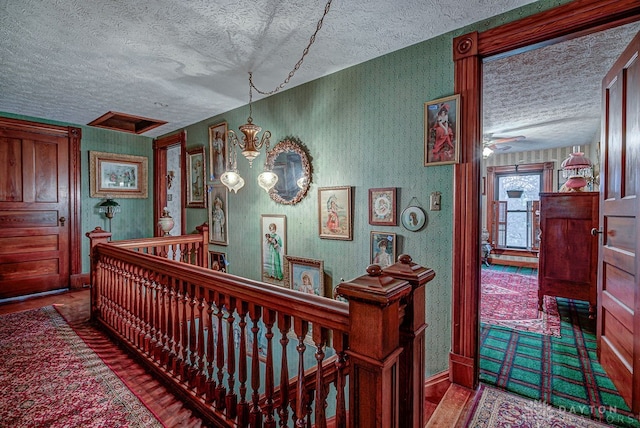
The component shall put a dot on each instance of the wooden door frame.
(74, 135)
(562, 23)
(160, 147)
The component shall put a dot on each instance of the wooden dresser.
(568, 252)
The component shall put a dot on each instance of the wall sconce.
(109, 207)
(170, 176)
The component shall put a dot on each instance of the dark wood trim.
(160, 147)
(561, 23)
(80, 281)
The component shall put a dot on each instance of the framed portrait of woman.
(218, 150)
(413, 218)
(273, 235)
(441, 131)
(218, 229)
(383, 248)
(382, 206)
(196, 191)
(335, 216)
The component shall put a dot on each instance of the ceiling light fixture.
(250, 144)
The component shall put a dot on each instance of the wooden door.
(618, 288)
(34, 212)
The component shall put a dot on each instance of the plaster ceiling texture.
(185, 61)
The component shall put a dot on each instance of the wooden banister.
(227, 343)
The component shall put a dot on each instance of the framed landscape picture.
(117, 175)
(273, 233)
(382, 206)
(218, 150)
(196, 172)
(335, 216)
(305, 275)
(441, 131)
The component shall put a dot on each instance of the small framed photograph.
(441, 131)
(335, 215)
(382, 206)
(196, 172)
(383, 248)
(305, 275)
(218, 150)
(117, 176)
(273, 232)
(413, 218)
(218, 229)
(218, 261)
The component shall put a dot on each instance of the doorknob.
(595, 232)
(62, 220)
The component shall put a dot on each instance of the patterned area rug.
(51, 378)
(497, 409)
(511, 300)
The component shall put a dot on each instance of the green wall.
(136, 218)
(363, 127)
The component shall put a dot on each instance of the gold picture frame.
(118, 175)
(218, 150)
(196, 173)
(335, 216)
(441, 131)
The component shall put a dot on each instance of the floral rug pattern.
(511, 300)
(51, 378)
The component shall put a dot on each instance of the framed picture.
(218, 261)
(305, 275)
(218, 213)
(441, 131)
(383, 248)
(382, 206)
(196, 171)
(116, 175)
(273, 234)
(335, 216)
(413, 218)
(218, 150)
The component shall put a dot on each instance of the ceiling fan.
(495, 143)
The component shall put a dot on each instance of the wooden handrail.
(226, 343)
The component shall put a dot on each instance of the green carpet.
(561, 371)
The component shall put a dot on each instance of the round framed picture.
(413, 218)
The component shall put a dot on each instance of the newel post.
(412, 333)
(96, 236)
(374, 347)
(203, 255)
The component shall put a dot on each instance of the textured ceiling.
(551, 96)
(185, 61)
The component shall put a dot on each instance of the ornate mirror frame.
(289, 145)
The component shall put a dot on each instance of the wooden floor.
(74, 307)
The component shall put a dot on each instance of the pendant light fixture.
(250, 144)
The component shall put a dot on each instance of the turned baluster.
(145, 312)
(269, 320)
(174, 340)
(202, 362)
(284, 325)
(211, 384)
(320, 339)
(231, 399)
(159, 299)
(170, 351)
(243, 406)
(164, 336)
(341, 365)
(301, 328)
(220, 389)
(184, 332)
(255, 415)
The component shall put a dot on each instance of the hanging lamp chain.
(312, 39)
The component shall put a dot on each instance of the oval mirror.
(290, 162)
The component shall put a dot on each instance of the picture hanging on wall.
(196, 171)
(116, 175)
(305, 275)
(383, 248)
(382, 206)
(273, 232)
(218, 213)
(413, 218)
(218, 150)
(218, 261)
(441, 131)
(335, 215)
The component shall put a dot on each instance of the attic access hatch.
(125, 122)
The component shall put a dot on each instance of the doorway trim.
(160, 147)
(565, 22)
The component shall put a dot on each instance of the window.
(512, 219)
